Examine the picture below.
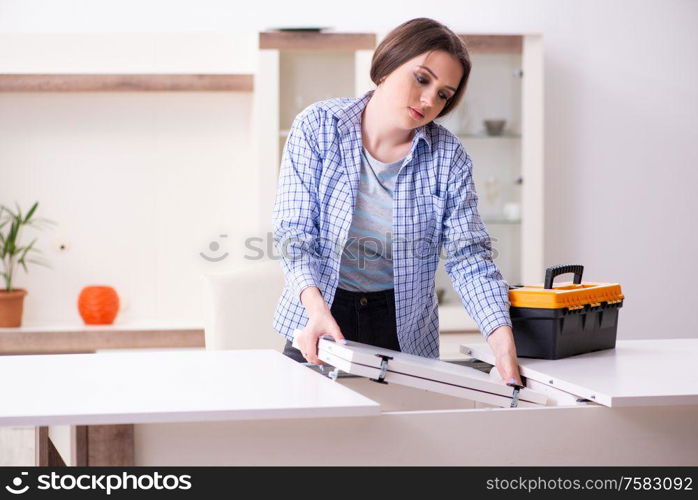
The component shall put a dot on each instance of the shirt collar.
(350, 118)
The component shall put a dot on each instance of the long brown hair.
(415, 37)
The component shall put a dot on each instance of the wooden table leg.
(91, 445)
(79, 445)
(109, 445)
(46, 454)
(41, 446)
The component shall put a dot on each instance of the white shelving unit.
(295, 70)
(506, 82)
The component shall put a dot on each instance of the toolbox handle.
(554, 271)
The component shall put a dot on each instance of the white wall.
(621, 83)
(139, 184)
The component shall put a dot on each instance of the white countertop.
(168, 386)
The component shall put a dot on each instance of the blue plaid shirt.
(435, 207)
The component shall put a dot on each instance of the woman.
(370, 190)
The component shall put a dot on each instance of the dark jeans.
(366, 317)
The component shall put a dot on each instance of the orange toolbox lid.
(571, 295)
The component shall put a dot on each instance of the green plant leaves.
(11, 253)
(31, 212)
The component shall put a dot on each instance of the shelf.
(75, 337)
(502, 221)
(299, 40)
(493, 44)
(486, 136)
(126, 326)
(126, 82)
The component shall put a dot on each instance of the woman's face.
(418, 89)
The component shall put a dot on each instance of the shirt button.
(363, 301)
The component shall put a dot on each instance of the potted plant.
(12, 255)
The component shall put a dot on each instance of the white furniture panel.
(546, 436)
(423, 373)
(635, 373)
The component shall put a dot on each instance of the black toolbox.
(570, 318)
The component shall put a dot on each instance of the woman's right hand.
(317, 326)
(320, 322)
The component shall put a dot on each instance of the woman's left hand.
(502, 343)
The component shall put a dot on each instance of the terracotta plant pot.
(98, 305)
(11, 307)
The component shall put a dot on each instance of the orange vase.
(98, 305)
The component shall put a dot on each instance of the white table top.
(168, 386)
(658, 372)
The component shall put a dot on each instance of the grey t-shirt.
(367, 258)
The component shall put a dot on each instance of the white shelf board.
(126, 326)
(483, 135)
(500, 221)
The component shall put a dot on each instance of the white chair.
(239, 306)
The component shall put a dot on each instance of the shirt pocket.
(428, 215)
